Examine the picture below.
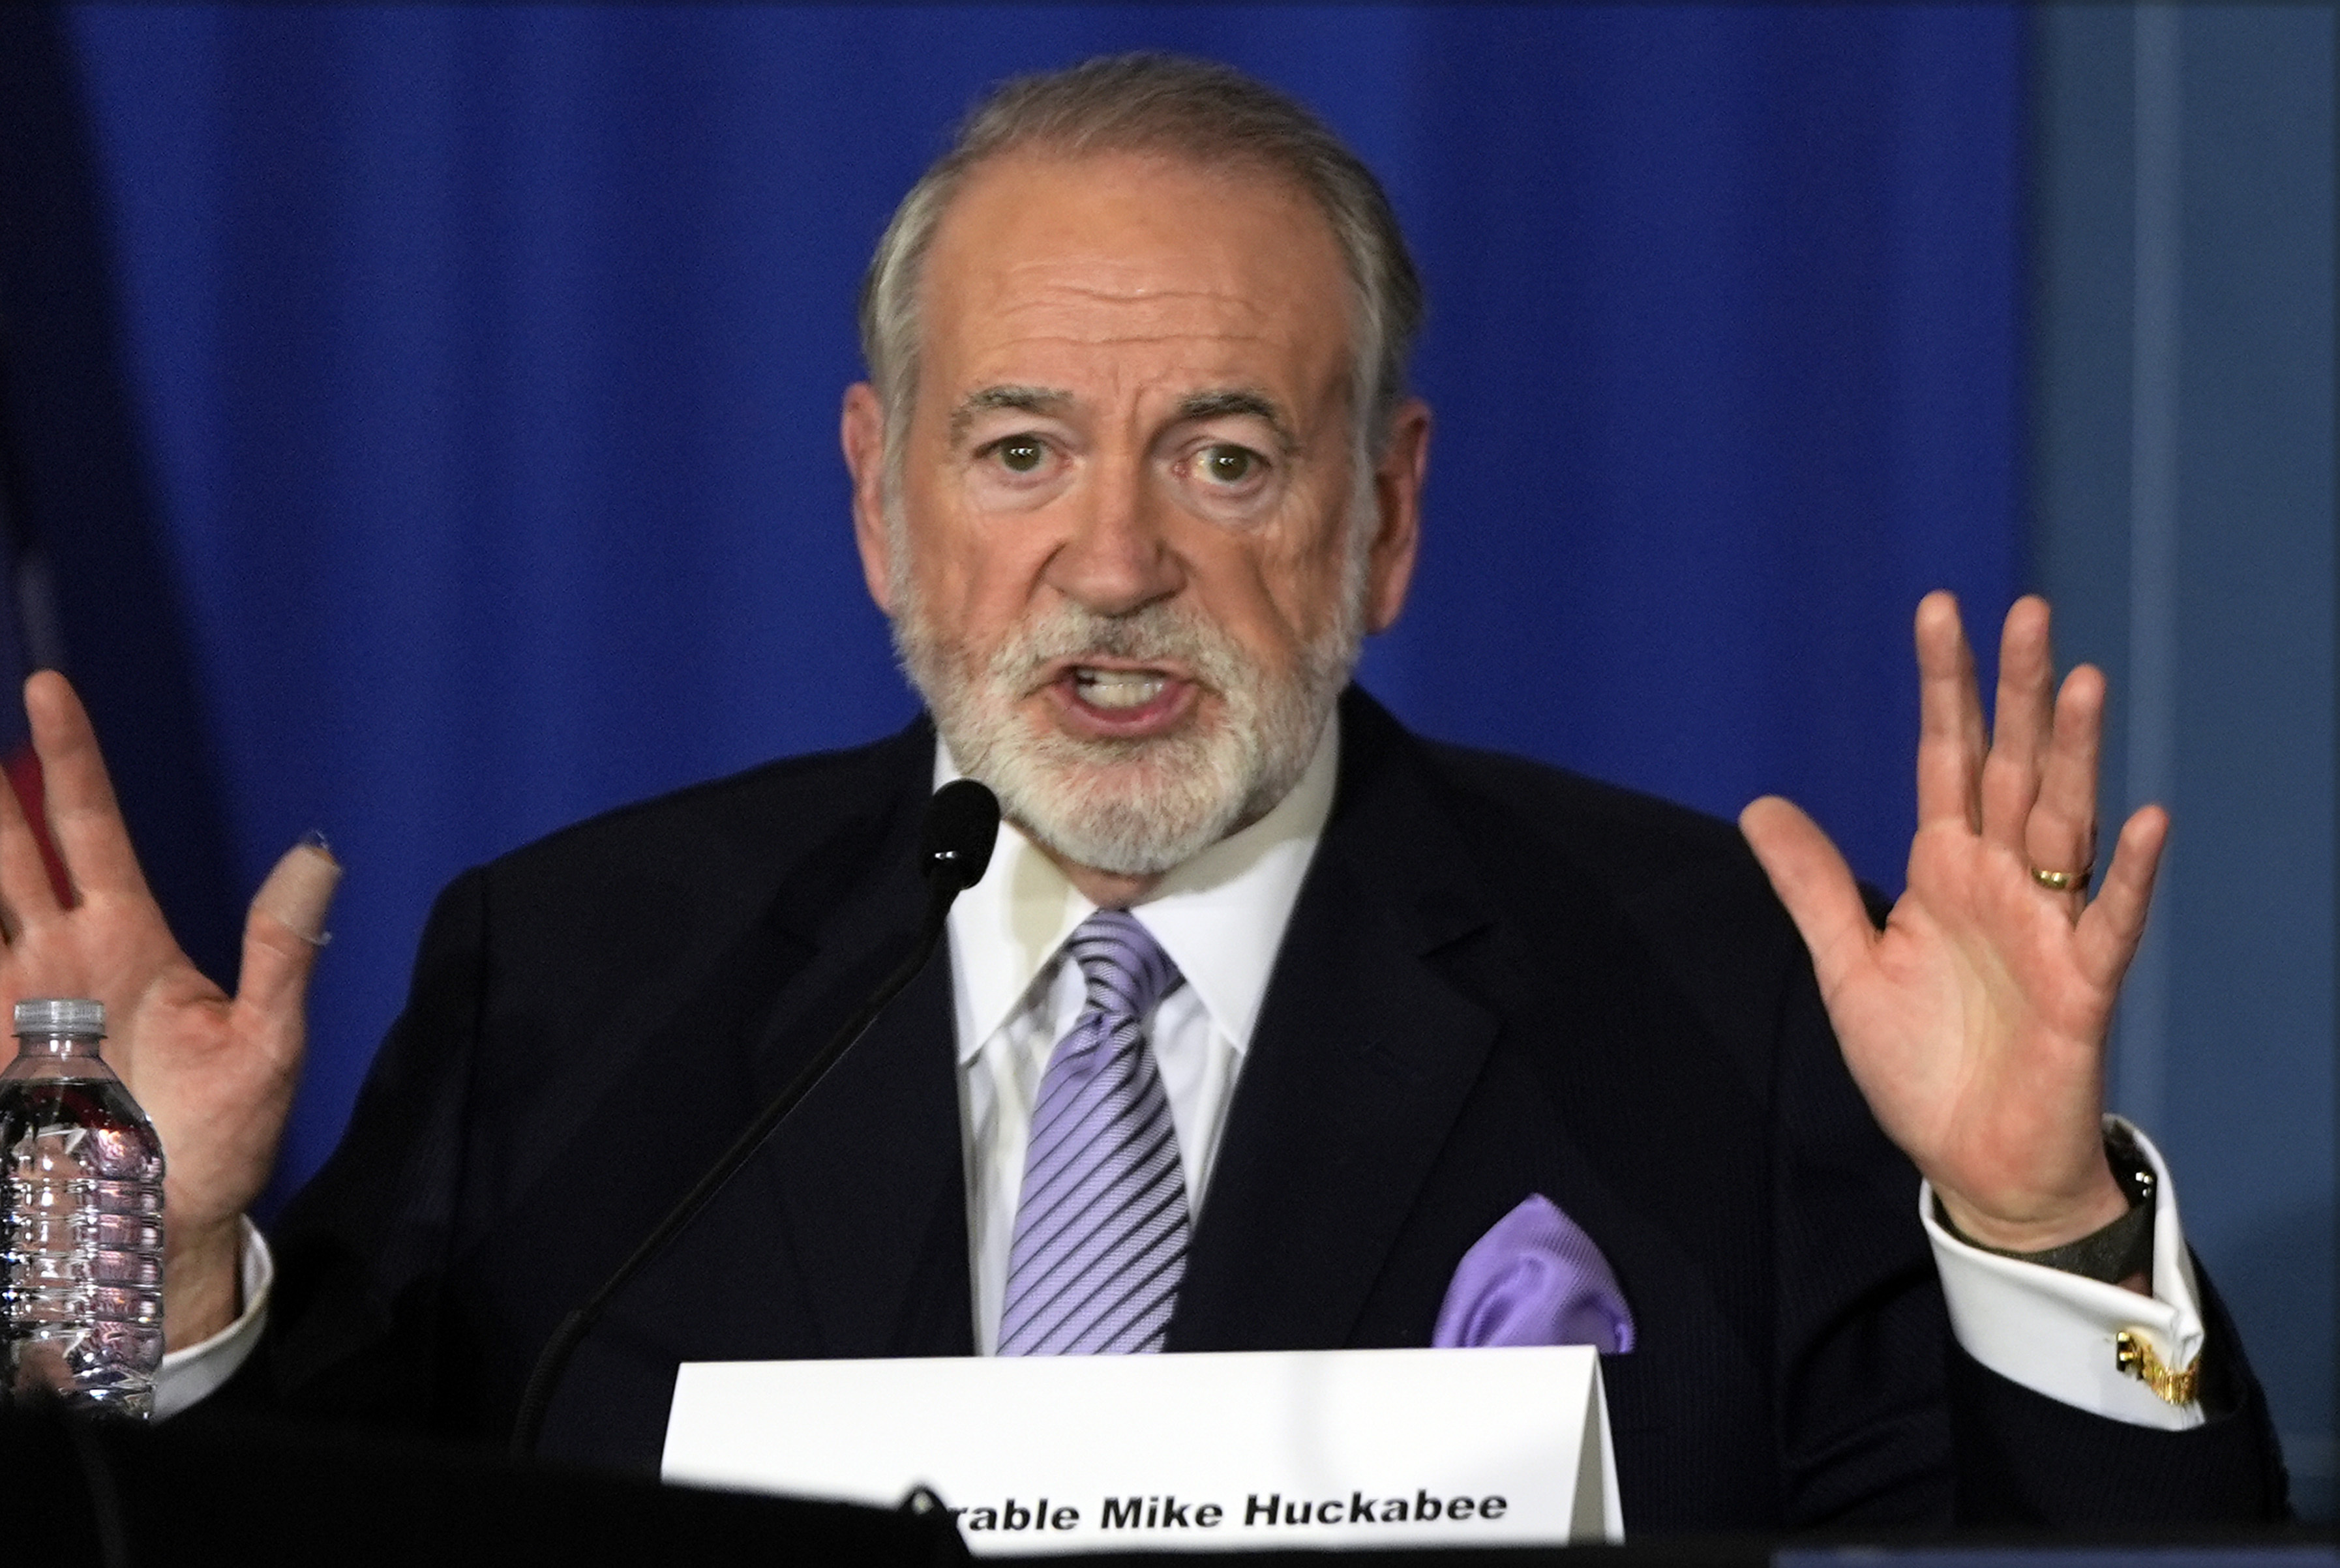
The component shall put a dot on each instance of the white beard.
(1129, 807)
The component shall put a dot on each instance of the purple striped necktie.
(1101, 1225)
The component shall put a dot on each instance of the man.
(1134, 474)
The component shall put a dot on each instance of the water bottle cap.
(61, 1015)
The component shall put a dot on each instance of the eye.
(1020, 454)
(1229, 465)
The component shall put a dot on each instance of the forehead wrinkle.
(1050, 288)
(1141, 291)
(1107, 277)
(1042, 323)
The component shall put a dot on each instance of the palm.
(1975, 1021)
(171, 1031)
(215, 1072)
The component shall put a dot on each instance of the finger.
(2112, 926)
(2061, 832)
(1815, 883)
(282, 933)
(1949, 717)
(27, 892)
(84, 817)
(2022, 719)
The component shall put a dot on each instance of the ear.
(1397, 495)
(861, 431)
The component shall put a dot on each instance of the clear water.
(81, 1245)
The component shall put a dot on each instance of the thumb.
(1813, 880)
(286, 927)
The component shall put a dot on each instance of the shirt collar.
(1220, 916)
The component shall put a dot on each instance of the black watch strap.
(2115, 1252)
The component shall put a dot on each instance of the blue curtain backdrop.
(485, 365)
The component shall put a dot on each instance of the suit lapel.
(873, 1187)
(1360, 1062)
(861, 1190)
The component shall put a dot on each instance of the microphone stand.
(961, 822)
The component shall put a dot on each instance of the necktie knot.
(1126, 969)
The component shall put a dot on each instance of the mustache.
(1155, 632)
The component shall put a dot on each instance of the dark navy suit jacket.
(1500, 979)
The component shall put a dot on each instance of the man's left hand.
(1975, 1022)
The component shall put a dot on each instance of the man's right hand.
(216, 1073)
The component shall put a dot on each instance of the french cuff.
(191, 1376)
(2061, 1335)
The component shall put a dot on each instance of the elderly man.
(1320, 1007)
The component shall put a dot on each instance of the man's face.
(1133, 547)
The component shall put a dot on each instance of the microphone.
(962, 823)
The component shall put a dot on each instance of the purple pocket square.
(1534, 1280)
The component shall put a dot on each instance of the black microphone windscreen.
(962, 824)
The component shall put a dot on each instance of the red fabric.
(23, 770)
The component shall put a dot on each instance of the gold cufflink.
(2133, 1354)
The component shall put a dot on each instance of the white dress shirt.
(1221, 917)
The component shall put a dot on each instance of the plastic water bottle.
(81, 1221)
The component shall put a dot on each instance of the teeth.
(1117, 688)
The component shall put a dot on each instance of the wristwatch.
(2115, 1252)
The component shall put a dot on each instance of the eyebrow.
(1217, 404)
(1240, 400)
(1026, 399)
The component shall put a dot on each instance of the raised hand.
(216, 1073)
(1975, 1022)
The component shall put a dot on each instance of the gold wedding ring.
(2064, 880)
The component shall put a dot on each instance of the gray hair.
(1196, 110)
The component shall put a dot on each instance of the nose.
(1116, 559)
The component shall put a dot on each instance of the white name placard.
(1318, 1449)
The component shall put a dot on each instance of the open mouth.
(1109, 701)
(1112, 689)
